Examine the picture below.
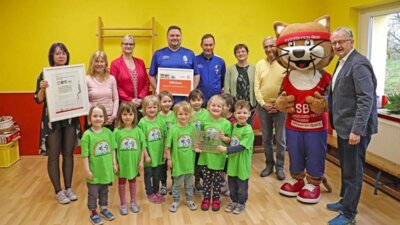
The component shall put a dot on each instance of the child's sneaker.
(62, 198)
(205, 205)
(107, 214)
(174, 207)
(95, 219)
(71, 194)
(215, 205)
(135, 208)
(153, 198)
(191, 205)
(159, 197)
(123, 210)
(239, 208)
(230, 207)
(163, 190)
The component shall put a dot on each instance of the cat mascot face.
(303, 49)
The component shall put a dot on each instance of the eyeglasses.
(268, 46)
(128, 44)
(340, 42)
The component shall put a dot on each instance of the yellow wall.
(29, 27)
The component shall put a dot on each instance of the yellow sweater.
(268, 81)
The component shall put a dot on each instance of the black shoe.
(267, 171)
(280, 174)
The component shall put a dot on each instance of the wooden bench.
(379, 163)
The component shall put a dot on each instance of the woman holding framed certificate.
(130, 74)
(60, 136)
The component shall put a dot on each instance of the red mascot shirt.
(304, 119)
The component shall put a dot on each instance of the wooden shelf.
(101, 36)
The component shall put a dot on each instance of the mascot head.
(304, 46)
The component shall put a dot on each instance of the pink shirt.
(121, 73)
(105, 93)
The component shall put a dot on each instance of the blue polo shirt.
(212, 74)
(183, 58)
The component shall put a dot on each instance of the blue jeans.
(352, 160)
(238, 189)
(268, 122)
(152, 179)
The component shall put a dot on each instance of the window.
(379, 38)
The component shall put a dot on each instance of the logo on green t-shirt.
(184, 141)
(234, 141)
(197, 124)
(101, 148)
(154, 135)
(128, 143)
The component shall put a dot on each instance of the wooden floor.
(27, 197)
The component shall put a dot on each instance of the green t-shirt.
(130, 144)
(99, 147)
(198, 117)
(169, 119)
(180, 141)
(154, 132)
(239, 163)
(215, 161)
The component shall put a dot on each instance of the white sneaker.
(71, 194)
(62, 198)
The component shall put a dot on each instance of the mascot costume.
(304, 49)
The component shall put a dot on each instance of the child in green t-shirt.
(240, 154)
(167, 116)
(217, 130)
(99, 162)
(196, 100)
(131, 148)
(180, 154)
(154, 132)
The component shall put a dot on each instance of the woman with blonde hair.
(130, 74)
(102, 87)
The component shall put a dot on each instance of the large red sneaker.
(309, 194)
(292, 187)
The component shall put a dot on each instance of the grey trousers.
(186, 179)
(269, 121)
(97, 191)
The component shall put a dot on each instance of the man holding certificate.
(174, 68)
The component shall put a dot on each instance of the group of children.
(167, 139)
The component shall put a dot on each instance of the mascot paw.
(318, 103)
(285, 103)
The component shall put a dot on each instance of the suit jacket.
(352, 102)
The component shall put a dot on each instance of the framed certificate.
(207, 142)
(67, 94)
(178, 82)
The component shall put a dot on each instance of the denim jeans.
(268, 122)
(152, 179)
(352, 160)
(238, 189)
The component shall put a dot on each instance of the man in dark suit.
(353, 114)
